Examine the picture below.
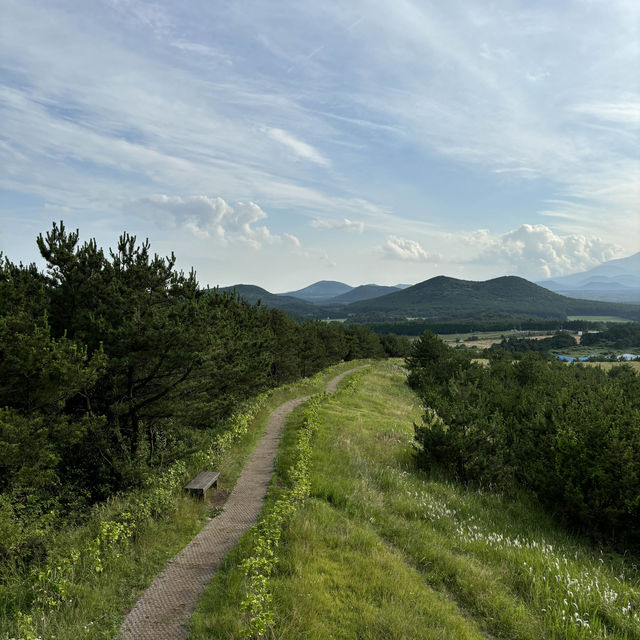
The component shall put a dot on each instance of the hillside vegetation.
(568, 434)
(320, 291)
(381, 550)
(118, 375)
(503, 301)
(254, 294)
(363, 292)
(444, 297)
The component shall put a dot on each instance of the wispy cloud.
(300, 148)
(355, 226)
(394, 118)
(623, 112)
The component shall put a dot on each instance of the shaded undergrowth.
(94, 572)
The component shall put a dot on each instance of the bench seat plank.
(202, 482)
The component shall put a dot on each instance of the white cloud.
(293, 241)
(403, 249)
(140, 99)
(201, 49)
(536, 251)
(209, 217)
(348, 225)
(623, 112)
(300, 148)
(326, 260)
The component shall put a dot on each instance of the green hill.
(320, 292)
(363, 292)
(253, 294)
(444, 297)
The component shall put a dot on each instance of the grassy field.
(484, 339)
(380, 550)
(599, 318)
(635, 364)
(96, 602)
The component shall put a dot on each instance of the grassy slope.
(100, 601)
(383, 551)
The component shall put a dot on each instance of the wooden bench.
(202, 483)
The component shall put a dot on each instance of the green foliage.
(382, 550)
(569, 434)
(450, 299)
(473, 325)
(560, 340)
(117, 373)
(113, 362)
(618, 336)
(259, 566)
(431, 360)
(395, 346)
(58, 572)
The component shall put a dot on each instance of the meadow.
(381, 549)
(597, 318)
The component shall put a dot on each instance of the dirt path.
(164, 609)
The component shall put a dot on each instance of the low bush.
(569, 434)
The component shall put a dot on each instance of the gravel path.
(164, 609)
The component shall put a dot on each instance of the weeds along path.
(163, 611)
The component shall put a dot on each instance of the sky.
(279, 143)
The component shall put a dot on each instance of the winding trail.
(164, 609)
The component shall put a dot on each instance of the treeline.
(418, 327)
(560, 340)
(114, 363)
(568, 434)
(624, 335)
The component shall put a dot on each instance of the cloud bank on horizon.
(282, 144)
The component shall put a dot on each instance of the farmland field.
(635, 364)
(484, 339)
(598, 318)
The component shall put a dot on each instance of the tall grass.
(91, 574)
(381, 550)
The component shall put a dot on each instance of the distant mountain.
(363, 292)
(443, 297)
(253, 294)
(402, 286)
(614, 280)
(604, 283)
(320, 291)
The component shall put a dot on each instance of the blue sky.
(279, 143)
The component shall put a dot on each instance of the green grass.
(97, 603)
(381, 550)
(634, 364)
(579, 350)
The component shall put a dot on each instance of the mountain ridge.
(444, 297)
(612, 281)
(363, 292)
(320, 291)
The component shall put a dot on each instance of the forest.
(114, 364)
(567, 434)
